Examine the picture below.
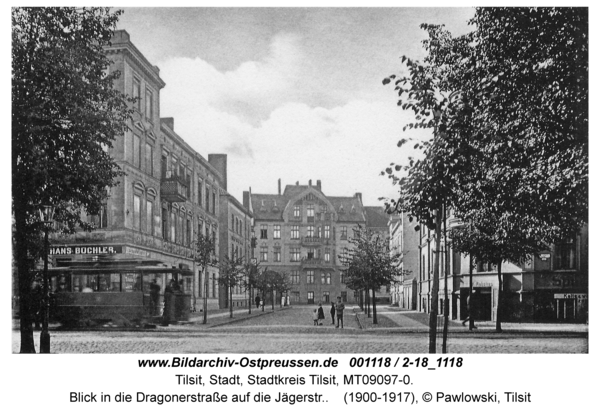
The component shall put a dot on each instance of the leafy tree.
(65, 116)
(508, 107)
(249, 274)
(370, 263)
(204, 256)
(280, 284)
(231, 272)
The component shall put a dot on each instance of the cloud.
(257, 115)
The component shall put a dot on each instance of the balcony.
(311, 261)
(311, 240)
(173, 189)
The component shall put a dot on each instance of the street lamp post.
(46, 215)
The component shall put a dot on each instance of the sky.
(289, 93)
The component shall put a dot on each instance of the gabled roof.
(376, 217)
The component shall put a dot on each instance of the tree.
(508, 107)
(204, 256)
(370, 264)
(280, 283)
(65, 116)
(231, 271)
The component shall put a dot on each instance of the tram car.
(119, 292)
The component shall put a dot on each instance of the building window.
(310, 231)
(311, 254)
(276, 231)
(173, 222)
(310, 276)
(295, 254)
(165, 223)
(136, 151)
(295, 277)
(164, 163)
(137, 93)
(310, 213)
(263, 231)
(297, 211)
(137, 205)
(149, 159)
(295, 296)
(213, 207)
(207, 203)
(149, 215)
(564, 255)
(326, 297)
(264, 254)
(344, 296)
(327, 255)
(199, 191)
(344, 233)
(326, 235)
(326, 278)
(277, 254)
(188, 232)
(310, 295)
(343, 276)
(232, 222)
(295, 232)
(149, 104)
(188, 184)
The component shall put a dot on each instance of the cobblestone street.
(290, 330)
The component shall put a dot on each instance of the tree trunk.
(230, 302)
(250, 299)
(24, 278)
(435, 285)
(368, 300)
(360, 300)
(446, 309)
(374, 307)
(500, 298)
(471, 295)
(205, 301)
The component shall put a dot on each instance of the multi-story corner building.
(551, 286)
(302, 232)
(404, 242)
(147, 227)
(235, 234)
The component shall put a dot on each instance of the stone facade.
(302, 232)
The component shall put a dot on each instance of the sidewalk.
(414, 321)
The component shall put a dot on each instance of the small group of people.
(337, 309)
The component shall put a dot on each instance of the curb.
(360, 326)
(237, 320)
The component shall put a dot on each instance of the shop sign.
(86, 250)
(136, 251)
(544, 257)
(480, 284)
(571, 296)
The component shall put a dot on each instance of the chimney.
(359, 196)
(219, 162)
(279, 186)
(319, 184)
(310, 182)
(246, 199)
(170, 122)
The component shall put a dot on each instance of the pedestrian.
(321, 314)
(315, 317)
(332, 312)
(470, 308)
(339, 311)
(257, 301)
(154, 296)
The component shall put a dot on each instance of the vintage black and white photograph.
(300, 180)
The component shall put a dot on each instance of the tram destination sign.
(86, 250)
